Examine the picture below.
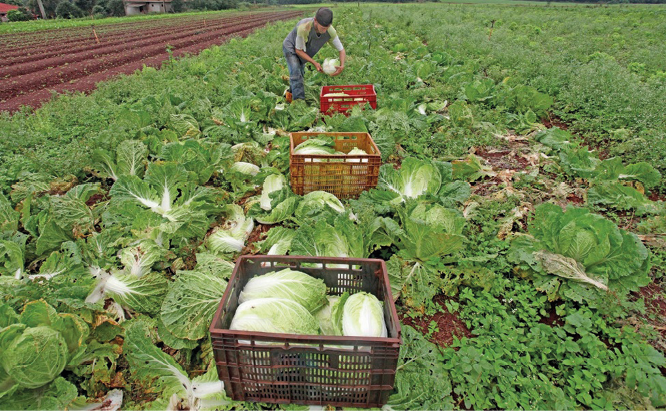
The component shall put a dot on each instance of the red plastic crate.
(356, 95)
(308, 369)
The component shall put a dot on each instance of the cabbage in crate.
(363, 316)
(274, 315)
(289, 284)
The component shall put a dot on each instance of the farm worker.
(301, 45)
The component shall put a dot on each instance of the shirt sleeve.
(335, 40)
(302, 36)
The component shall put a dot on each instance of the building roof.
(4, 8)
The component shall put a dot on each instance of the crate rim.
(333, 133)
(370, 87)
(308, 339)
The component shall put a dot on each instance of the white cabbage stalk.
(231, 237)
(110, 402)
(275, 250)
(223, 242)
(116, 311)
(363, 316)
(138, 260)
(330, 66)
(274, 182)
(116, 286)
(336, 95)
(98, 292)
(566, 267)
(46, 276)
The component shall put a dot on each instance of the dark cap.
(324, 16)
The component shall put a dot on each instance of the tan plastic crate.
(343, 176)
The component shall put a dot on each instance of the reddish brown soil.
(554, 121)
(42, 67)
(96, 198)
(120, 49)
(575, 200)
(449, 325)
(503, 160)
(655, 314)
(553, 319)
(257, 234)
(655, 304)
(654, 196)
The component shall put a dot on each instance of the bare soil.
(36, 71)
(448, 325)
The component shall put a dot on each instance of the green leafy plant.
(580, 256)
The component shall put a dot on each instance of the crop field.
(75, 59)
(519, 207)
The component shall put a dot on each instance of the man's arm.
(343, 56)
(304, 56)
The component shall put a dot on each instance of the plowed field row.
(43, 58)
(11, 42)
(76, 44)
(82, 70)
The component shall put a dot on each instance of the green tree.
(49, 7)
(85, 5)
(20, 14)
(67, 10)
(99, 11)
(116, 8)
(178, 6)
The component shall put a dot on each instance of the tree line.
(606, 1)
(67, 9)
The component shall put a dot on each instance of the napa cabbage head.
(288, 284)
(330, 65)
(274, 315)
(330, 317)
(245, 168)
(579, 255)
(316, 203)
(415, 178)
(32, 356)
(363, 316)
(316, 146)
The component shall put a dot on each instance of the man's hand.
(338, 71)
(318, 67)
